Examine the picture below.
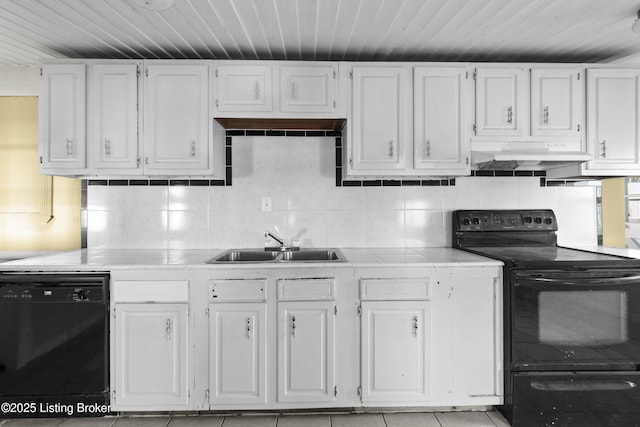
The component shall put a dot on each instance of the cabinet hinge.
(351, 74)
(216, 103)
(475, 129)
(578, 128)
(40, 159)
(206, 395)
(137, 71)
(113, 313)
(146, 72)
(475, 74)
(334, 104)
(359, 311)
(335, 391)
(206, 312)
(41, 71)
(351, 161)
(335, 310)
(578, 76)
(466, 75)
(216, 74)
(113, 396)
(359, 391)
(334, 74)
(138, 160)
(467, 161)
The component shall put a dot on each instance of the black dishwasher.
(54, 344)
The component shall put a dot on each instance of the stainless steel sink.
(239, 256)
(314, 255)
(245, 255)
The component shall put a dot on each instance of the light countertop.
(108, 259)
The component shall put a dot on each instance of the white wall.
(19, 80)
(298, 174)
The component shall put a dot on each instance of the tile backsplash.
(298, 174)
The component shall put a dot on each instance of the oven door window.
(564, 318)
(589, 318)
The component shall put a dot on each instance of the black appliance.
(571, 322)
(54, 345)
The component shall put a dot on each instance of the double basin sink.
(239, 256)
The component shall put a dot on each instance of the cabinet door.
(244, 88)
(379, 119)
(306, 351)
(395, 351)
(499, 101)
(556, 97)
(613, 97)
(62, 116)
(112, 142)
(237, 372)
(308, 89)
(440, 144)
(151, 345)
(176, 123)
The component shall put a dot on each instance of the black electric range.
(571, 321)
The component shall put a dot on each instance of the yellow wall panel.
(36, 212)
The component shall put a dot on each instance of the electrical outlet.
(266, 204)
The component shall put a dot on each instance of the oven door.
(586, 319)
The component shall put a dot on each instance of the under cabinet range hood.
(525, 156)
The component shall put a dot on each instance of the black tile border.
(340, 181)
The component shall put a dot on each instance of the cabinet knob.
(545, 115)
(257, 90)
(293, 326)
(69, 147)
(168, 329)
(603, 149)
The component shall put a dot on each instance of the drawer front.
(395, 289)
(150, 290)
(237, 290)
(306, 289)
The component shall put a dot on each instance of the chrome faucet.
(267, 233)
(282, 246)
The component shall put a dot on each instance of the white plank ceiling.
(385, 30)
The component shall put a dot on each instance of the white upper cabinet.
(556, 102)
(537, 107)
(440, 114)
(176, 118)
(308, 89)
(246, 88)
(112, 141)
(62, 116)
(274, 89)
(613, 120)
(499, 101)
(380, 119)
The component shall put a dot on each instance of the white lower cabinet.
(150, 341)
(151, 355)
(395, 351)
(237, 344)
(306, 351)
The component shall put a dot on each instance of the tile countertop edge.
(86, 260)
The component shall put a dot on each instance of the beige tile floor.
(423, 419)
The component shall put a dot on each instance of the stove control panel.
(505, 220)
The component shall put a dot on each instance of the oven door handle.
(579, 281)
(583, 385)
